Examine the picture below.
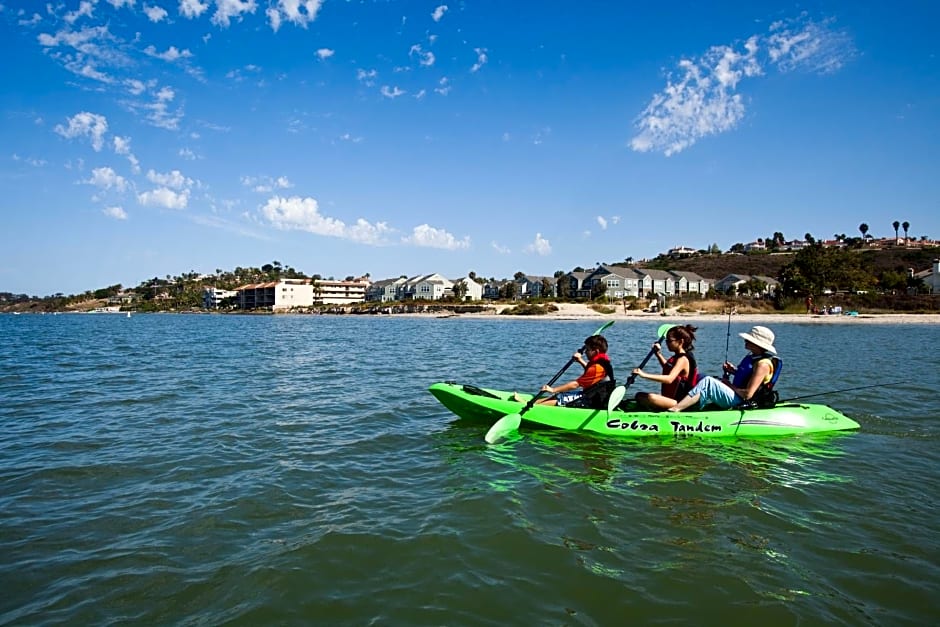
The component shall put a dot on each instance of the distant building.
(931, 277)
(212, 296)
(681, 251)
(327, 292)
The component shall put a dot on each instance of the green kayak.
(487, 406)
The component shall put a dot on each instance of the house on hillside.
(931, 277)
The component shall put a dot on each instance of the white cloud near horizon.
(702, 100)
(429, 237)
(540, 246)
(601, 220)
(303, 214)
(499, 248)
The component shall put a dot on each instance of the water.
(295, 470)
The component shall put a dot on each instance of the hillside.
(769, 264)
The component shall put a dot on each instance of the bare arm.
(680, 367)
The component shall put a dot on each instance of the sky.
(145, 138)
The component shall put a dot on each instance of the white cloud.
(481, 60)
(85, 9)
(155, 13)
(192, 8)
(85, 123)
(174, 179)
(325, 53)
(802, 44)
(227, 10)
(429, 237)
(425, 57)
(603, 222)
(117, 4)
(115, 212)
(35, 19)
(540, 246)
(703, 99)
(346, 137)
(303, 214)
(266, 184)
(171, 54)
(297, 12)
(366, 77)
(392, 92)
(444, 86)
(122, 146)
(439, 13)
(107, 178)
(499, 248)
(164, 197)
(187, 154)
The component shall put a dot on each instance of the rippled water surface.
(252, 470)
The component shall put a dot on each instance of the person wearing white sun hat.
(755, 371)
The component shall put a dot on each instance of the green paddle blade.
(663, 329)
(503, 427)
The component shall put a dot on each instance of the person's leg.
(658, 402)
(709, 390)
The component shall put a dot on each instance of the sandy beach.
(577, 311)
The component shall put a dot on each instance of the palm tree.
(905, 225)
(864, 229)
(895, 224)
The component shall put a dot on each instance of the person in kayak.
(680, 373)
(755, 371)
(592, 388)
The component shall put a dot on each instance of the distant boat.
(128, 314)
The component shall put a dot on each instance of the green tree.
(459, 290)
(864, 229)
(905, 225)
(896, 224)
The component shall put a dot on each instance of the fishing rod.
(863, 387)
(728, 339)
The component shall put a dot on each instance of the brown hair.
(597, 342)
(685, 335)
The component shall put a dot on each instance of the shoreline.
(577, 311)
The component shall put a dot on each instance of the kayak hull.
(487, 406)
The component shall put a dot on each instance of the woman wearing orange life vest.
(680, 372)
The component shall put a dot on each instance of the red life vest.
(681, 385)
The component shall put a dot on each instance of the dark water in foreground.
(255, 470)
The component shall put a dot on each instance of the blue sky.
(149, 137)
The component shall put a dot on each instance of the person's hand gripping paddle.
(510, 423)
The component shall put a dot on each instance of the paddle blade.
(616, 396)
(503, 427)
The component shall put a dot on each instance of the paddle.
(621, 390)
(509, 423)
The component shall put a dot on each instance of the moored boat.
(488, 406)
